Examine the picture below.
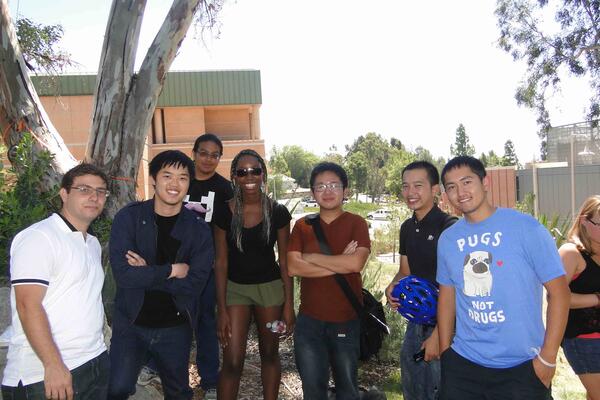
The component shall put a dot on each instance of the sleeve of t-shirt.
(296, 242)
(360, 233)
(31, 259)
(281, 216)
(403, 239)
(542, 252)
(443, 272)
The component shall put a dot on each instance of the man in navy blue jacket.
(161, 254)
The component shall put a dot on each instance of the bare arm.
(33, 317)
(556, 321)
(403, 270)
(342, 263)
(283, 236)
(446, 314)
(297, 266)
(221, 267)
(574, 264)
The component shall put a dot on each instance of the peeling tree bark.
(125, 101)
(20, 108)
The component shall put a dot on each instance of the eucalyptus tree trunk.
(125, 101)
(20, 108)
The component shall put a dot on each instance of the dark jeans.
(90, 381)
(207, 344)
(420, 380)
(465, 380)
(132, 346)
(319, 345)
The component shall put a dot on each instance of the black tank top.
(585, 320)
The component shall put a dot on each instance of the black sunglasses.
(242, 172)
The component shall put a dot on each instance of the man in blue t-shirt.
(492, 265)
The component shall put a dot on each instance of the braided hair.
(237, 219)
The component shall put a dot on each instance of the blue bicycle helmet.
(418, 299)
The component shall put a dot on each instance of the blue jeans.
(90, 381)
(207, 344)
(132, 346)
(420, 380)
(319, 345)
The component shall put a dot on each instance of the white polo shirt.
(49, 253)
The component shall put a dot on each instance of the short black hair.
(433, 176)
(208, 137)
(329, 166)
(461, 161)
(80, 170)
(169, 158)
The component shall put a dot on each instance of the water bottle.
(276, 326)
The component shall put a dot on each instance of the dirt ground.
(373, 373)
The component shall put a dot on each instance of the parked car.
(382, 213)
(308, 202)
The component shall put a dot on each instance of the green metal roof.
(185, 88)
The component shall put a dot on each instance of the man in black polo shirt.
(418, 248)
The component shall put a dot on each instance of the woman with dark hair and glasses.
(251, 284)
(581, 259)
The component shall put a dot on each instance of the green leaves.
(22, 203)
(570, 45)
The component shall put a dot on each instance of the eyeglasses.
(596, 224)
(206, 154)
(333, 186)
(88, 190)
(242, 172)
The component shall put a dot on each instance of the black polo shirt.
(418, 241)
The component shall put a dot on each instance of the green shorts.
(256, 294)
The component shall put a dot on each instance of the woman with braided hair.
(251, 284)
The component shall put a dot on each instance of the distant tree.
(357, 168)
(491, 159)
(277, 162)
(333, 155)
(396, 143)
(462, 145)
(510, 156)
(571, 45)
(300, 163)
(399, 158)
(376, 152)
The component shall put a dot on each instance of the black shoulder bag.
(372, 317)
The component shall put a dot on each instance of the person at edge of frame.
(57, 348)
(328, 330)
(581, 259)
(418, 256)
(493, 265)
(161, 255)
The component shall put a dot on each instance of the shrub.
(22, 203)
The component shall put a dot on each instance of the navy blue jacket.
(134, 229)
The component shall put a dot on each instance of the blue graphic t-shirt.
(497, 267)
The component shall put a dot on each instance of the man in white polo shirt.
(57, 349)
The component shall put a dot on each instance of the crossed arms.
(316, 265)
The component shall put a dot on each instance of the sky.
(332, 70)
